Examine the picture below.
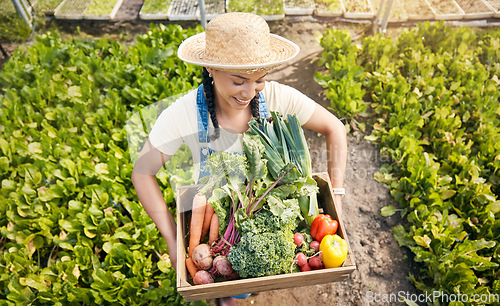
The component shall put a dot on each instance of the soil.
(382, 266)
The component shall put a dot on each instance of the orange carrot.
(214, 229)
(209, 211)
(197, 215)
(191, 267)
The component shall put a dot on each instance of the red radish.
(314, 245)
(203, 277)
(202, 256)
(316, 262)
(305, 268)
(298, 239)
(222, 265)
(301, 259)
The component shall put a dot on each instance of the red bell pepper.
(323, 225)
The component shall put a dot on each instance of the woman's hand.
(172, 252)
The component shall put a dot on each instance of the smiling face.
(236, 90)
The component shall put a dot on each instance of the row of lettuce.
(430, 100)
(72, 229)
(74, 113)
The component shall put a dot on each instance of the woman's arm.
(144, 179)
(324, 122)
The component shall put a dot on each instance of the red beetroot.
(222, 265)
(202, 257)
(203, 277)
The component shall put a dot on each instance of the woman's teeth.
(243, 101)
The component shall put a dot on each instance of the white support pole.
(376, 21)
(22, 10)
(387, 13)
(203, 19)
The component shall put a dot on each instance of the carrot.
(214, 229)
(209, 211)
(191, 267)
(197, 215)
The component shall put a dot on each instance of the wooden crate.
(225, 288)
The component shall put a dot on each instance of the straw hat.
(237, 42)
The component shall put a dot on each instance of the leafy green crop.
(72, 229)
(100, 7)
(342, 78)
(155, 6)
(436, 116)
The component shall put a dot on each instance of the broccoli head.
(263, 253)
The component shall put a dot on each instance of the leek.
(285, 144)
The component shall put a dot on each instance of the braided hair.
(208, 89)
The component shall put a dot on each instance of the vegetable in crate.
(285, 143)
(239, 187)
(323, 225)
(197, 216)
(334, 251)
(266, 246)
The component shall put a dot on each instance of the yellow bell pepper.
(334, 251)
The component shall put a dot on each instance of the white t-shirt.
(178, 123)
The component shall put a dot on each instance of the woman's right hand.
(172, 251)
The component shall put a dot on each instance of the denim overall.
(203, 136)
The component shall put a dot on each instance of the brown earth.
(382, 266)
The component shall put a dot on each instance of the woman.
(236, 51)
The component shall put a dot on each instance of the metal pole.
(385, 20)
(376, 22)
(20, 8)
(203, 19)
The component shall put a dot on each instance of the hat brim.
(192, 50)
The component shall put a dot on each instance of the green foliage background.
(430, 100)
(72, 230)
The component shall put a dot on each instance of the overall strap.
(203, 136)
(263, 110)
